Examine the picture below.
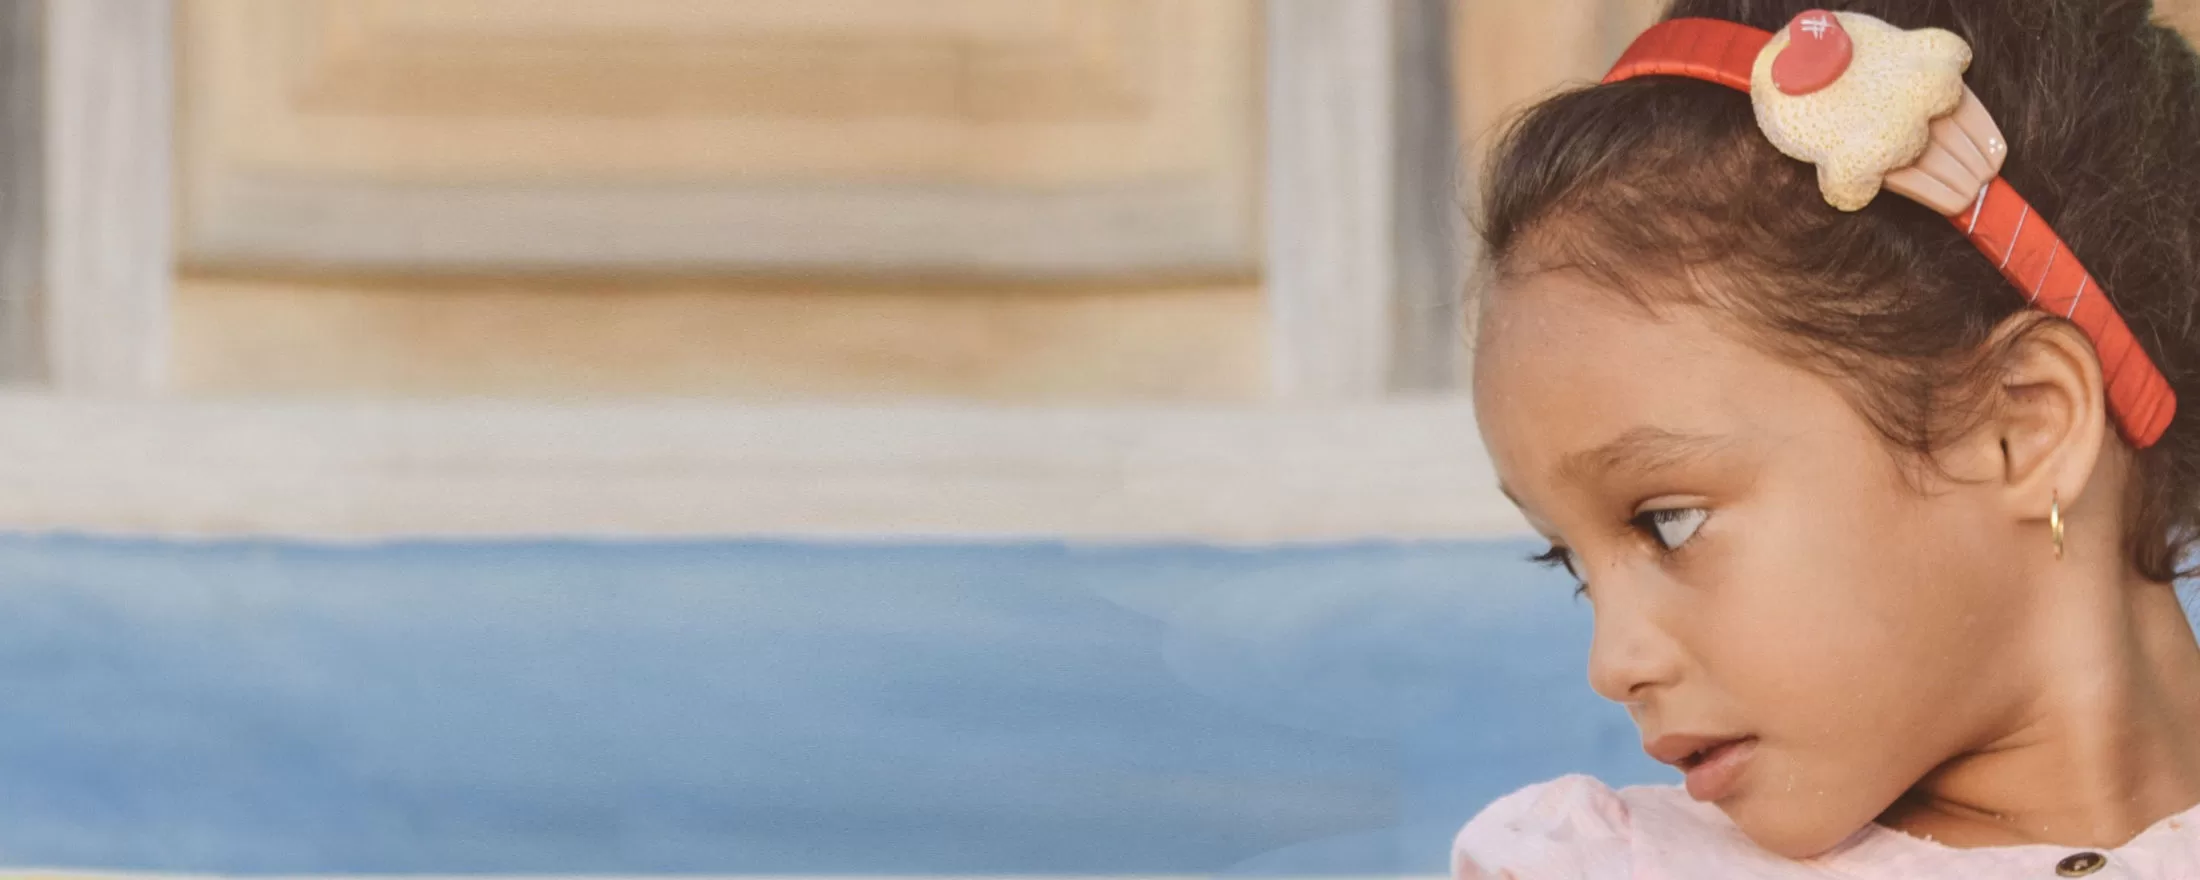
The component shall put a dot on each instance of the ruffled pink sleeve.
(1571, 828)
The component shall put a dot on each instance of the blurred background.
(787, 437)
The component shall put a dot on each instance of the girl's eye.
(1671, 527)
(1562, 557)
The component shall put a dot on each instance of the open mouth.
(1707, 754)
(1715, 772)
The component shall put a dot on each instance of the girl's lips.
(1713, 773)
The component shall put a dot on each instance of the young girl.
(1875, 475)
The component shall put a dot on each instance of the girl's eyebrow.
(1640, 450)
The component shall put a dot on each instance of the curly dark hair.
(1655, 184)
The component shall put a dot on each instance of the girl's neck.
(2108, 745)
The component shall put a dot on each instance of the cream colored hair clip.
(1870, 103)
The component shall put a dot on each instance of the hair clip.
(1874, 106)
(1858, 98)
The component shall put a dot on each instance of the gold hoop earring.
(2055, 524)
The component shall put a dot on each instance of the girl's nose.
(1630, 654)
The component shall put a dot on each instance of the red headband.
(1999, 222)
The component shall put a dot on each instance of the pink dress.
(1576, 828)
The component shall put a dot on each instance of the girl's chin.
(1792, 824)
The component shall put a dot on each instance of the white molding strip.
(109, 110)
(1195, 227)
(1331, 160)
(1362, 260)
(23, 191)
(355, 471)
(1432, 241)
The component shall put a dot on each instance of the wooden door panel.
(1510, 55)
(753, 341)
(1027, 138)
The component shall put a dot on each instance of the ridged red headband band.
(1955, 170)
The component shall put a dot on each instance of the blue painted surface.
(779, 707)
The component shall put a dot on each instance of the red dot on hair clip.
(1818, 52)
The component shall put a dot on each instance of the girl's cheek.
(1767, 599)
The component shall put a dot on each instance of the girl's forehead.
(1555, 333)
(1563, 307)
(1564, 369)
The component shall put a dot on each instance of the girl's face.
(1766, 576)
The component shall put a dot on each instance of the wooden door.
(996, 199)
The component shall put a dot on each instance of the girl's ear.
(2051, 421)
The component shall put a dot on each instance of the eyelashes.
(1558, 557)
(1670, 528)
